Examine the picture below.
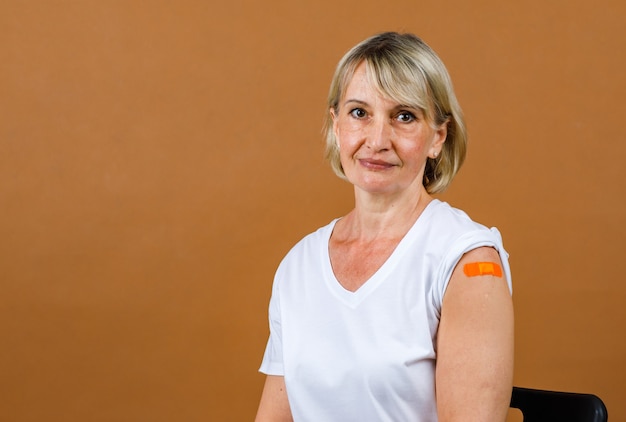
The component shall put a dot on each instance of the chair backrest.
(557, 406)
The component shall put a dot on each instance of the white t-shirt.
(368, 355)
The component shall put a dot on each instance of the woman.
(401, 310)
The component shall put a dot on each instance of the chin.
(377, 188)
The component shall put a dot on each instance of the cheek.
(349, 127)
(412, 152)
(347, 137)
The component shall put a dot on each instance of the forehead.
(360, 80)
(363, 81)
(365, 84)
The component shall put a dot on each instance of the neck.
(384, 216)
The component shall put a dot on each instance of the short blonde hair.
(406, 70)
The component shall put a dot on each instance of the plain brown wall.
(158, 158)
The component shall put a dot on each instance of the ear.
(439, 137)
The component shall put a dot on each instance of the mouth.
(373, 164)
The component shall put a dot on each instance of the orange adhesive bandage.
(474, 269)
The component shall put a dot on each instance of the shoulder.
(446, 226)
(452, 234)
(308, 248)
(312, 240)
(454, 219)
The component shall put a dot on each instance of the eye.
(405, 117)
(358, 113)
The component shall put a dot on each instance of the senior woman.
(401, 310)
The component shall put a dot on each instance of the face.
(383, 145)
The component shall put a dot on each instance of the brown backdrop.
(158, 158)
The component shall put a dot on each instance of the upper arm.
(274, 405)
(475, 344)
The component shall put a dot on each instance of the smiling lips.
(373, 164)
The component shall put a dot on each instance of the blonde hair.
(407, 70)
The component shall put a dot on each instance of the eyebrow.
(355, 101)
(397, 107)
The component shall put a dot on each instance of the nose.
(379, 135)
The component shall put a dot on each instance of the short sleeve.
(272, 363)
(465, 243)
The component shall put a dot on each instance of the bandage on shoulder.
(474, 269)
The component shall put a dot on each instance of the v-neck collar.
(353, 299)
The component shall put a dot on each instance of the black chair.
(556, 406)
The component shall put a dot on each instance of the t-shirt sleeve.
(272, 363)
(465, 243)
